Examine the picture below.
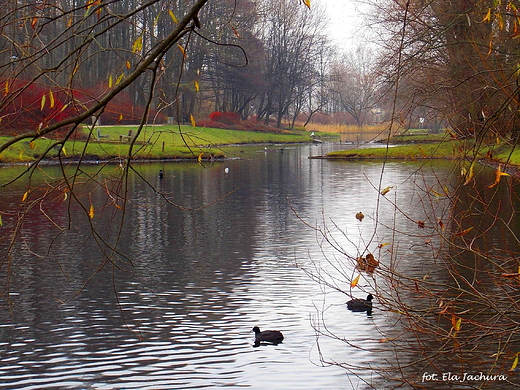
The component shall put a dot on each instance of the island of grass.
(160, 142)
(440, 146)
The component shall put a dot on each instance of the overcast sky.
(346, 22)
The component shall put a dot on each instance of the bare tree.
(354, 83)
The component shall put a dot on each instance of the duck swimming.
(357, 304)
(268, 336)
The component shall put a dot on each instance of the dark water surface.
(176, 309)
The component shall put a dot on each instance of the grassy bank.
(154, 142)
(420, 148)
(444, 150)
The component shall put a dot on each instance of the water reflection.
(203, 256)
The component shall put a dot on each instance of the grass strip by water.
(153, 143)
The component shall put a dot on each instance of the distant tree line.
(267, 59)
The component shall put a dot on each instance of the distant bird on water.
(161, 174)
(268, 336)
(357, 304)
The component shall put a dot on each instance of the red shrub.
(225, 117)
(27, 106)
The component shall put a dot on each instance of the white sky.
(346, 22)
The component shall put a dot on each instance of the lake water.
(204, 254)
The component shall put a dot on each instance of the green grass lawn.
(154, 142)
(444, 150)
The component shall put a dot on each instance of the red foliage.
(27, 106)
(225, 117)
(250, 125)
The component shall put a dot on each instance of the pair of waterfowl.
(276, 337)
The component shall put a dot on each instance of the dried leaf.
(172, 15)
(128, 65)
(458, 324)
(355, 281)
(441, 224)
(1, 223)
(382, 245)
(25, 195)
(235, 31)
(464, 232)
(421, 224)
(470, 173)
(487, 18)
(182, 50)
(51, 99)
(91, 212)
(44, 99)
(510, 275)
(192, 120)
(386, 190)
(6, 87)
(307, 3)
(31, 145)
(360, 216)
(34, 22)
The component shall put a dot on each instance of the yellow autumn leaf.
(1, 223)
(182, 50)
(91, 212)
(458, 324)
(498, 175)
(199, 159)
(110, 81)
(64, 107)
(197, 88)
(21, 155)
(172, 15)
(121, 76)
(65, 195)
(307, 3)
(64, 151)
(31, 145)
(487, 18)
(127, 64)
(355, 281)
(44, 99)
(120, 117)
(138, 44)
(470, 173)
(192, 120)
(25, 195)
(386, 190)
(515, 363)
(51, 99)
